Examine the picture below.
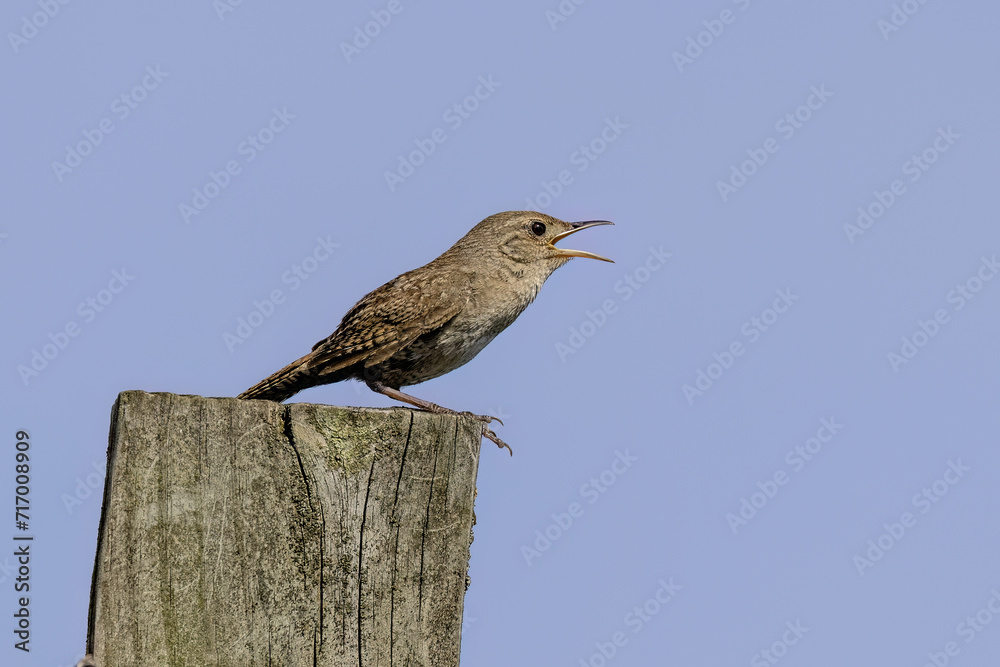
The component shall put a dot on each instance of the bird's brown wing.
(378, 326)
(386, 321)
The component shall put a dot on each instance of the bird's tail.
(287, 382)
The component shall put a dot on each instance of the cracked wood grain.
(253, 533)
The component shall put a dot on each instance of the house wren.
(431, 320)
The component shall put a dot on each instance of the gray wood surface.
(253, 533)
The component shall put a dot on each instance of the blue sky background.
(798, 577)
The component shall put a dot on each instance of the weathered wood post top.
(246, 533)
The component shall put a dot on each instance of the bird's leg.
(424, 405)
(397, 395)
(406, 398)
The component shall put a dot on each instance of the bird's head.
(529, 238)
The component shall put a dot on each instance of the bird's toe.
(490, 435)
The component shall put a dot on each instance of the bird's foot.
(438, 409)
(490, 435)
(487, 432)
(486, 419)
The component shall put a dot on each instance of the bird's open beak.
(577, 226)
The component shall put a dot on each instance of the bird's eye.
(537, 228)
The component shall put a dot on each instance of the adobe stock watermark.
(958, 297)
(900, 16)
(635, 620)
(87, 311)
(498, 412)
(796, 459)
(581, 158)
(31, 24)
(223, 7)
(85, 488)
(264, 308)
(779, 648)
(629, 284)
(248, 149)
(967, 630)
(915, 167)
(702, 40)
(562, 12)
(924, 500)
(454, 116)
(752, 329)
(121, 108)
(786, 127)
(365, 33)
(591, 491)
(7, 569)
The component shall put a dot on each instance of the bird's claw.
(490, 435)
(487, 433)
(486, 419)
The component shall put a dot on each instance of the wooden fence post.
(251, 533)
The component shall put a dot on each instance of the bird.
(433, 319)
